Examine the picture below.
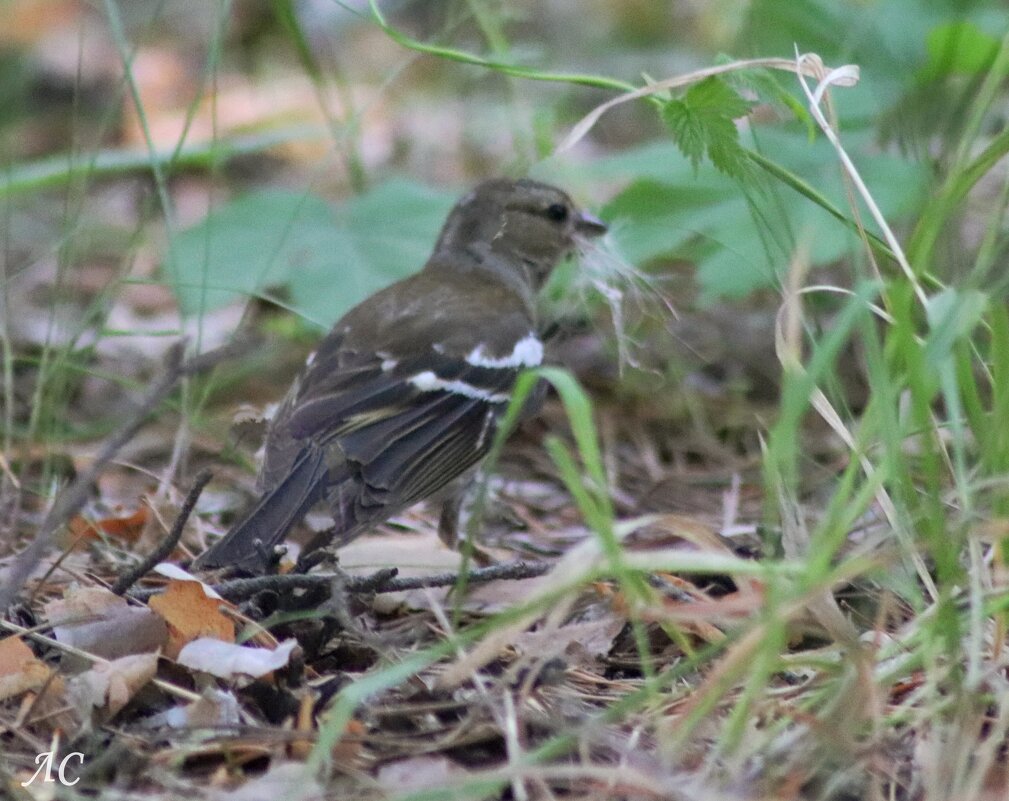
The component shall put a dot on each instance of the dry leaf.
(227, 660)
(348, 752)
(169, 570)
(127, 528)
(214, 709)
(291, 781)
(165, 83)
(111, 685)
(587, 640)
(418, 773)
(20, 669)
(213, 328)
(190, 614)
(81, 601)
(103, 624)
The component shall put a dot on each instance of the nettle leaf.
(323, 259)
(687, 129)
(741, 237)
(723, 147)
(702, 123)
(714, 97)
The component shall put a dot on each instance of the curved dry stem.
(808, 64)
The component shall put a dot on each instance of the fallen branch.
(381, 581)
(167, 545)
(70, 501)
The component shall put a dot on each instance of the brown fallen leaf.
(191, 614)
(348, 753)
(103, 624)
(109, 686)
(20, 669)
(579, 642)
(127, 528)
(79, 601)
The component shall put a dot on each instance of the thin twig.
(70, 501)
(167, 545)
(380, 582)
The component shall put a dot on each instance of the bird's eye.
(557, 212)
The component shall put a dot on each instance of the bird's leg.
(448, 526)
(269, 558)
(313, 553)
(448, 520)
(308, 560)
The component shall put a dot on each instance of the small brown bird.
(404, 395)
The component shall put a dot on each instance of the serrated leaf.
(723, 147)
(714, 97)
(326, 259)
(687, 130)
(702, 123)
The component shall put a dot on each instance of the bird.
(401, 400)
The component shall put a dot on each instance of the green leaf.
(723, 147)
(766, 84)
(884, 38)
(741, 236)
(325, 259)
(687, 130)
(952, 315)
(703, 220)
(715, 98)
(958, 48)
(703, 123)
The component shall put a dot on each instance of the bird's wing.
(405, 427)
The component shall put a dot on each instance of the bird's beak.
(589, 225)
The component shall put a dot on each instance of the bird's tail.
(273, 516)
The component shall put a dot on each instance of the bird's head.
(527, 223)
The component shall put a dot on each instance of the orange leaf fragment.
(348, 751)
(20, 669)
(127, 528)
(191, 614)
